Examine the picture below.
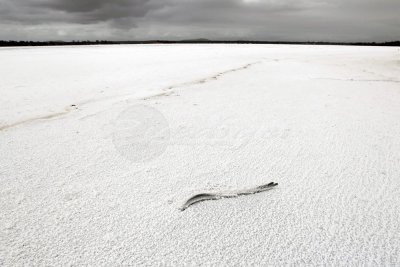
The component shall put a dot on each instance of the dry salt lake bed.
(101, 146)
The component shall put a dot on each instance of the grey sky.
(298, 20)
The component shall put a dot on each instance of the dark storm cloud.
(341, 20)
(98, 10)
(74, 11)
(228, 13)
(72, 6)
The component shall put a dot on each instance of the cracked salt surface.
(68, 196)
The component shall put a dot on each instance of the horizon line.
(4, 43)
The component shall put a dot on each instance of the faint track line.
(359, 80)
(170, 89)
(165, 91)
(38, 118)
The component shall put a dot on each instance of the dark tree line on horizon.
(11, 43)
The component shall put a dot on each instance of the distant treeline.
(196, 41)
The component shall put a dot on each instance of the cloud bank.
(266, 20)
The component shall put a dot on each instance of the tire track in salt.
(215, 77)
(360, 80)
(67, 110)
(164, 92)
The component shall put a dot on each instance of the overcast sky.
(298, 20)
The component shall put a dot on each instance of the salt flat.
(100, 146)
